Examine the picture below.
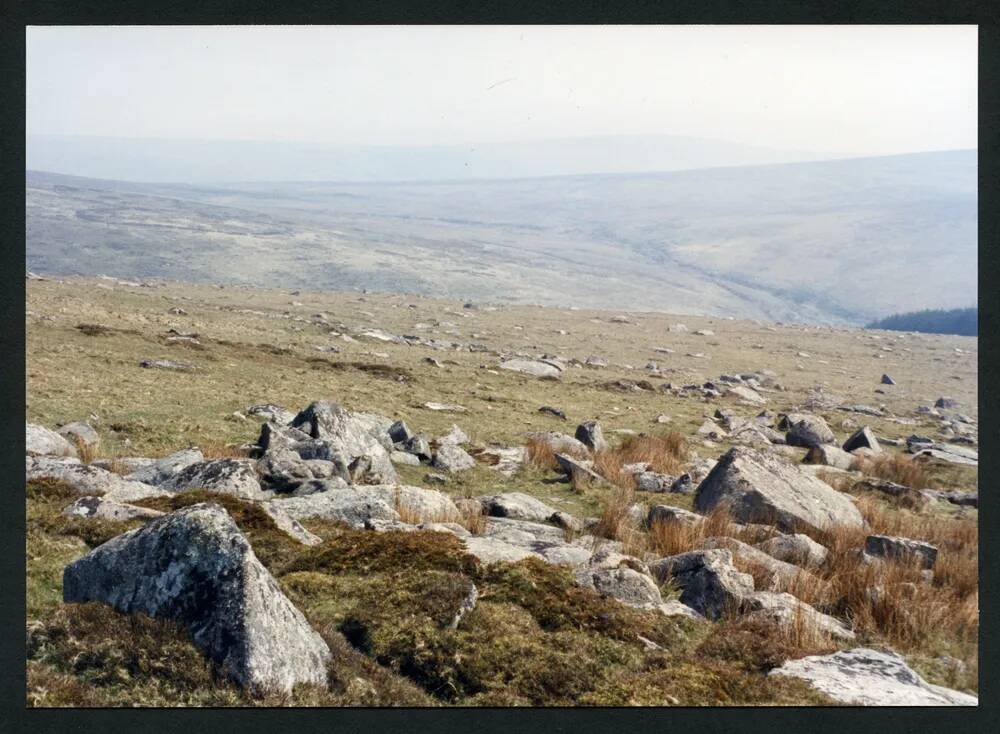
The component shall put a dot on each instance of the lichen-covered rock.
(452, 458)
(863, 438)
(102, 509)
(627, 586)
(349, 434)
(559, 442)
(807, 430)
(404, 458)
(89, 480)
(786, 611)
(44, 442)
(194, 566)
(651, 481)
(271, 412)
(455, 436)
(589, 433)
(289, 525)
(517, 506)
(709, 582)
(358, 505)
(492, 550)
(905, 550)
(798, 548)
(668, 514)
(783, 575)
(761, 488)
(165, 469)
(81, 433)
(865, 677)
(235, 477)
(532, 367)
(828, 455)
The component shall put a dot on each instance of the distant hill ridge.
(840, 242)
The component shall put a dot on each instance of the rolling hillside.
(843, 241)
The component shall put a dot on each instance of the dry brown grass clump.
(213, 449)
(539, 453)
(665, 453)
(671, 538)
(895, 468)
(892, 600)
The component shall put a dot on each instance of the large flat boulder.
(517, 506)
(350, 435)
(39, 440)
(532, 367)
(761, 488)
(89, 480)
(865, 677)
(236, 477)
(103, 509)
(165, 469)
(361, 504)
(194, 566)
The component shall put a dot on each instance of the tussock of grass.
(665, 453)
(895, 468)
(756, 645)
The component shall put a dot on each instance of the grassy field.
(86, 338)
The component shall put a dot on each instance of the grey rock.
(786, 611)
(288, 525)
(708, 581)
(274, 413)
(901, 549)
(432, 478)
(356, 505)
(81, 433)
(89, 480)
(517, 506)
(399, 432)
(405, 458)
(668, 514)
(590, 435)
(747, 395)
(866, 677)
(467, 605)
(761, 488)
(102, 509)
(808, 430)
(577, 469)
(559, 442)
(419, 446)
(783, 575)
(39, 440)
(493, 550)
(167, 364)
(552, 411)
(886, 380)
(946, 403)
(864, 437)
(275, 437)
(533, 367)
(235, 477)
(456, 436)
(627, 586)
(683, 485)
(797, 548)
(162, 470)
(452, 458)
(649, 481)
(196, 567)
(828, 455)
(348, 434)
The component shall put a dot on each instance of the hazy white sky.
(842, 89)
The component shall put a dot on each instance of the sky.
(848, 90)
